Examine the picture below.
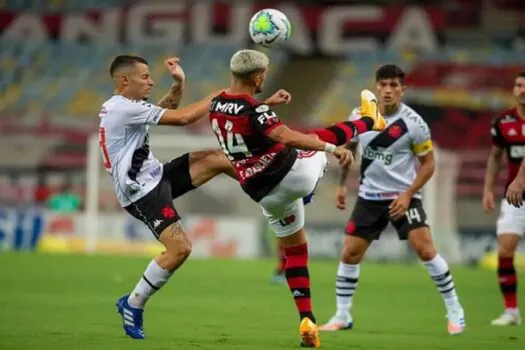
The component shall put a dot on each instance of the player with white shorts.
(508, 136)
(272, 169)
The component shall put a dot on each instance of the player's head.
(519, 88)
(249, 67)
(131, 76)
(390, 85)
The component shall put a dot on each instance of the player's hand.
(399, 207)
(514, 193)
(340, 197)
(488, 201)
(280, 97)
(344, 155)
(175, 69)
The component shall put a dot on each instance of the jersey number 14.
(234, 143)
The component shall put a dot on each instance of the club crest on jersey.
(380, 154)
(395, 131)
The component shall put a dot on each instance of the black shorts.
(370, 218)
(156, 208)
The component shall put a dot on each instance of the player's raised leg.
(510, 225)
(342, 132)
(421, 240)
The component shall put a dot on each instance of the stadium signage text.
(329, 30)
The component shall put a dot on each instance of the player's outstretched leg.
(421, 240)
(342, 132)
(508, 283)
(158, 272)
(347, 279)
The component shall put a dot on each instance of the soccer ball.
(269, 26)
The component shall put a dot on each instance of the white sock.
(151, 281)
(438, 270)
(345, 285)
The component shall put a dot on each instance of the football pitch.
(68, 302)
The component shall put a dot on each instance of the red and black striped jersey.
(508, 132)
(242, 125)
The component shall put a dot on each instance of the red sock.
(298, 279)
(282, 260)
(508, 282)
(342, 132)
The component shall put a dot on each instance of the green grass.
(67, 302)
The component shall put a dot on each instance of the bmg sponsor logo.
(379, 154)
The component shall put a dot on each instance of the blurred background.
(460, 56)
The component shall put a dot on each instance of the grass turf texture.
(68, 302)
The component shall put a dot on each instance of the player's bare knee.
(426, 252)
(507, 245)
(505, 249)
(178, 246)
(352, 254)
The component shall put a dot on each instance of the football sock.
(342, 132)
(151, 281)
(345, 286)
(298, 279)
(440, 274)
(508, 282)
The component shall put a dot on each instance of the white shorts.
(511, 219)
(283, 206)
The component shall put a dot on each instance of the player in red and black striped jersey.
(508, 136)
(273, 170)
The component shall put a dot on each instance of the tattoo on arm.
(172, 99)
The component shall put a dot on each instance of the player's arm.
(423, 150)
(295, 139)
(515, 190)
(425, 172)
(172, 99)
(188, 114)
(493, 166)
(343, 176)
(269, 125)
(341, 191)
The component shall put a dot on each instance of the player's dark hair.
(124, 61)
(522, 74)
(390, 71)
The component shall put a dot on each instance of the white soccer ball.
(269, 27)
